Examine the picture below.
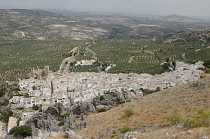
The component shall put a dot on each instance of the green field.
(147, 55)
(17, 59)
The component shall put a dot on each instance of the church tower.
(52, 91)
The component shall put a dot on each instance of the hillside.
(150, 113)
(136, 56)
(22, 24)
(188, 36)
(82, 74)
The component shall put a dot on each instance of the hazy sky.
(155, 7)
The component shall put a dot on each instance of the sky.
(195, 8)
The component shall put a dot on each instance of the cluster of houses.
(86, 85)
(64, 88)
(85, 62)
(14, 121)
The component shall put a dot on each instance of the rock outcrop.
(59, 118)
(84, 107)
(114, 98)
(63, 119)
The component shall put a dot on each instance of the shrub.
(125, 129)
(2, 93)
(61, 123)
(201, 69)
(20, 108)
(23, 131)
(5, 102)
(167, 60)
(128, 112)
(86, 113)
(119, 101)
(18, 121)
(67, 54)
(5, 115)
(15, 89)
(101, 110)
(63, 135)
(174, 118)
(35, 107)
(158, 89)
(101, 98)
(199, 120)
(207, 71)
(207, 63)
(17, 94)
(147, 91)
(34, 87)
(73, 63)
(166, 65)
(61, 120)
(174, 64)
(26, 95)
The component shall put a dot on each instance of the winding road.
(94, 57)
(65, 65)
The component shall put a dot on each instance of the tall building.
(3, 129)
(11, 123)
(52, 91)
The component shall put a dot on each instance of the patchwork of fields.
(146, 56)
(17, 59)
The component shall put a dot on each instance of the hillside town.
(86, 85)
(77, 87)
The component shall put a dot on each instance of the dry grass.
(61, 136)
(54, 137)
(152, 109)
(172, 132)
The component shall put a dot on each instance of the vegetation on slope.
(142, 56)
(17, 60)
(21, 131)
(151, 112)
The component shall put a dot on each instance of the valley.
(17, 60)
(67, 74)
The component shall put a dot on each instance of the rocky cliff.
(64, 119)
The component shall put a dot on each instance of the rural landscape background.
(106, 73)
(32, 38)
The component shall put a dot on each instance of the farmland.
(34, 38)
(17, 59)
(146, 56)
(143, 56)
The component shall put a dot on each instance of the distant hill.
(36, 13)
(189, 36)
(67, 12)
(178, 17)
(23, 24)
